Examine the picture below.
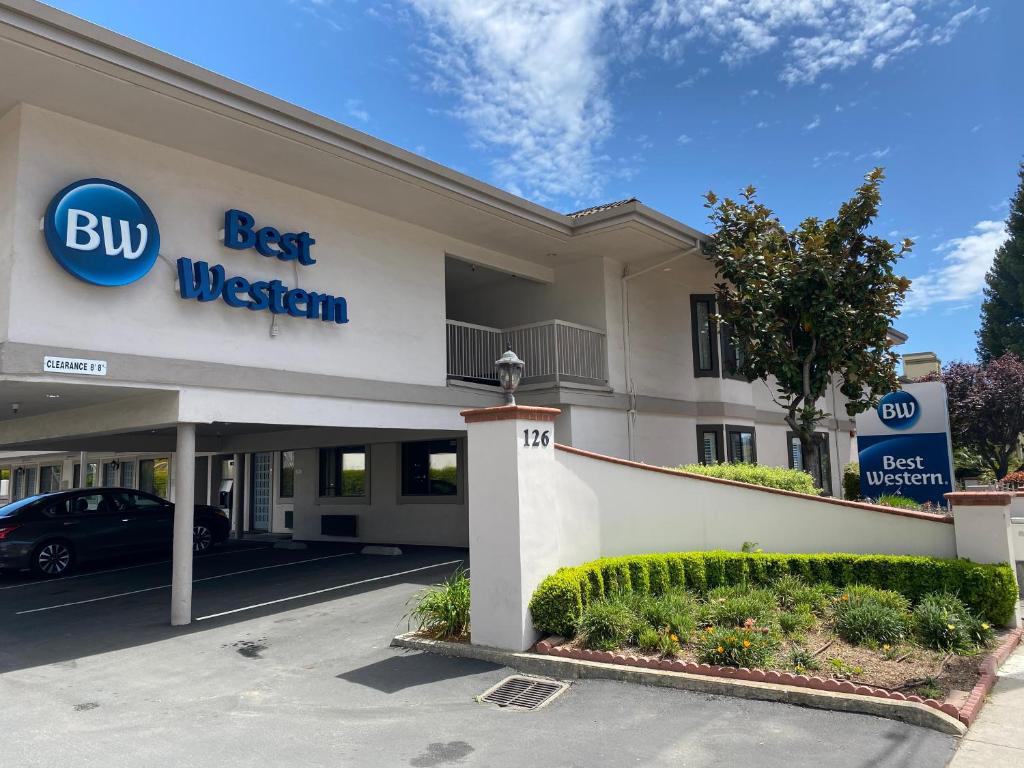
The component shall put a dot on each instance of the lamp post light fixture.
(510, 371)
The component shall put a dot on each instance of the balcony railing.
(553, 350)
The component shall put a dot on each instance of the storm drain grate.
(519, 692)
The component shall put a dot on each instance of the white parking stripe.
(322, 591)
(38, 582)
(168, 586)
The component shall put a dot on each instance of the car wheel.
(53, 558)
(202, 538)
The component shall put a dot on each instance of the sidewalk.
(997, 737)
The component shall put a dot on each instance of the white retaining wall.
(608, 508)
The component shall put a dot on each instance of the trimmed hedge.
(990, 591)
(757, 474)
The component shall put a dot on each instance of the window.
(705, 342)
(742, 444)
(92, 503)
(31, 475)
(709, 444)
(49, 478)
(137, 502)
(732, 354)
(796, 458)
(430, 468)
(127, 474)
(109, 474)
(286, 477)
(90, 475)
(5, 481)
(153, 476)
(343, 472)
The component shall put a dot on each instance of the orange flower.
(721, 649)
(746, 643)
(675, 638)
(845, 598)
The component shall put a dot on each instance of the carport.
(85, 418)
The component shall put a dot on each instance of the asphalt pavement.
(290, 665)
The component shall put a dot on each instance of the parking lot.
(288, 664)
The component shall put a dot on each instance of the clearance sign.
(904, 447)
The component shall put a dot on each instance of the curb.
(673, 676)
(989, 674)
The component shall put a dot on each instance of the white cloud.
(355, 109)
(530, 82)
(684, 139)
(947, 31)
(961, 273)
(813, 124)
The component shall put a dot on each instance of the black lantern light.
(510, 371)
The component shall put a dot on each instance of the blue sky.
(574, 103)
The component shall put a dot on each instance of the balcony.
(554, 351)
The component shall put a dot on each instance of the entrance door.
(262, 490)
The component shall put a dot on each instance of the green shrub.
(990, 591)
(732, 606)
(796, 622)
(851, 481)
(648, 639)
(802, 660)
(757, 474)
(793, 593)
(442, 611)
(900, 502)
(735, 647)
(943, 621)
(607, 625)
(675, 611)
(865, 615)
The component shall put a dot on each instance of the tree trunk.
(811, 450)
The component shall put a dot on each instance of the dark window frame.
(336, 452)
(281, 475)
(823, 439)
(433, 498)
(719, 432)
(713, 343)
(731, 429)
(730, 354)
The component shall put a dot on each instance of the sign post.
(903, 445)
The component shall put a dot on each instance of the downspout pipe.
(627, 362)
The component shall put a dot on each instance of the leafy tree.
(809, 306)
(986, 409)
(1002, 311)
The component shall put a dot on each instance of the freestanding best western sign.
(105, 234)
(903, 445)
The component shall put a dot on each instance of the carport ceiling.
(34, 398)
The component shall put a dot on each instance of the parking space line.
(127, 568)
(327, 589)
(168, 586)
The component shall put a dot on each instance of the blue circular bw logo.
(899, 410)
(101, 232)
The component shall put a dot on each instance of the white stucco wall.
(9, 127)
(639, 510)
(391, 273)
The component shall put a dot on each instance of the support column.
(512, 541)
(981, 523)
(184, 513)
(237, 505)
(83, 466)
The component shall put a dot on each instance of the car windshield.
(14, 506)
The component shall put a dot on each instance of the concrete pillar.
(83, 464)
(237, 507)
(512, 542)
(184, 512)
(981, 523)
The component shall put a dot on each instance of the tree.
(809, 306)
(986, 409)
(1002, 311)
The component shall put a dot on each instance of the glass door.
(262, 490)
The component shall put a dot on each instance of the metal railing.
(553, 350)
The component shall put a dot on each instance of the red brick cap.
(509, 412)
(979, 498)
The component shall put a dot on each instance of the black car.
(51, 533)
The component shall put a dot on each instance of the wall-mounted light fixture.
(510, 371)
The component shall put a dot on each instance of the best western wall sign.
(903, 445)
(105, 234)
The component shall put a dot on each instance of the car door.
(151, 518)
(95, 527)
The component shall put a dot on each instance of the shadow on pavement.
(397, 673)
